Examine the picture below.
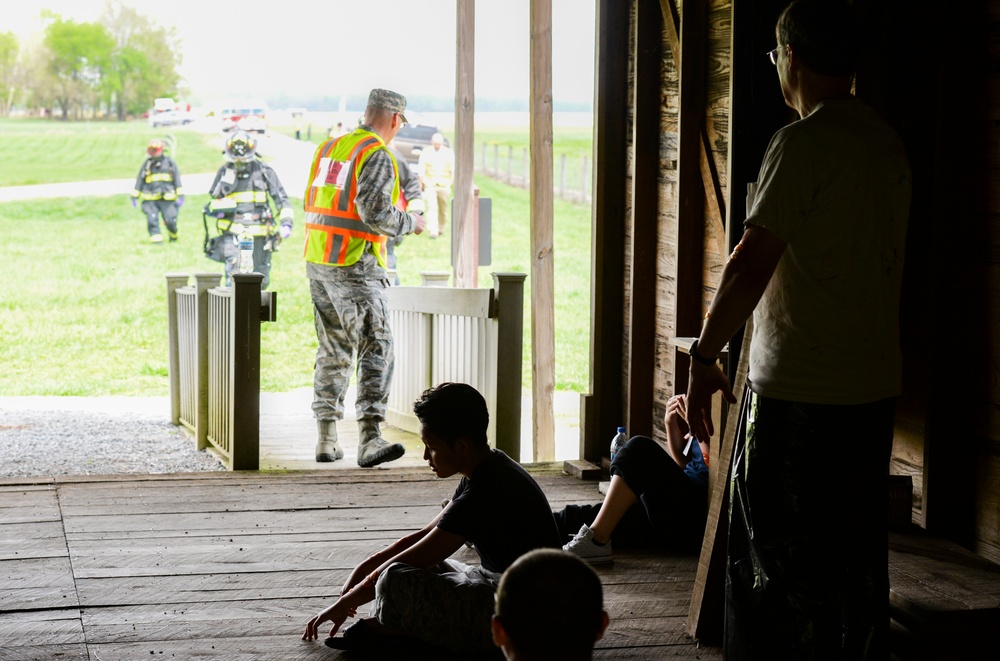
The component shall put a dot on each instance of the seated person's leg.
(449, 606)
(674, 505)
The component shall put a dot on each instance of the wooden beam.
(714, 199)
(645, 216)
(690, 302)
(466, 270)
(708, 598)
(543, 364)
(601, 409)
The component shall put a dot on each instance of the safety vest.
(335, 233)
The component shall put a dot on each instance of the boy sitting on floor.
(418, 591)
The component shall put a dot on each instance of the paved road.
(289, 157)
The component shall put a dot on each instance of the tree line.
(113, 67)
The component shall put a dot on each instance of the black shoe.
(360, 636)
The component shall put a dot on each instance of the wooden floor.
(232, 565)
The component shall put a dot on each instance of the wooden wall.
(934, 76)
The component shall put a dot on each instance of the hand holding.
(676, 418)
(133, 202)
(180, 201)
(703, 382)
(420, 223)
(285, 230)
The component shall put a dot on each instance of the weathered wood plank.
(55, 627)
(44, 652)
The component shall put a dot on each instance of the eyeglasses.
(773, 55)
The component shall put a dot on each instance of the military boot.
(373, 449)
(328, 449)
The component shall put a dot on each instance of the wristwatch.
(693, 352)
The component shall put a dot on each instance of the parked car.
(414, 138)
(171, 118)
(246, 116)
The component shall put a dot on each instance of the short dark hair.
(824, 34)
(551, 604)
(452, 411)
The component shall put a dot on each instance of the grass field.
(85, 313)
(36, 151)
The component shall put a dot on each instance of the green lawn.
(86, 311)
(37, 151)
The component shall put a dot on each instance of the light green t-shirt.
(835, 186)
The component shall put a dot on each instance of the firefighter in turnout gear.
(350, 212)
(158, 186)
(239, 195)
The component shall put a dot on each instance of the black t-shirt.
(502, 511)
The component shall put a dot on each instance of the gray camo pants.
(449, 605)
(351, 318)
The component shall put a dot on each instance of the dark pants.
(671, 509)
(808, 541)
(154, 209)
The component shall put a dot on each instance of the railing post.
(174, 282)
(203, 282)
(246, 370)
(434, 278)
(510, 159)
(509, 299)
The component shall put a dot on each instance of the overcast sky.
(304, 47)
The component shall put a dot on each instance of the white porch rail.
(471, 336)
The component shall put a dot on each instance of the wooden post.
(510, 159)
(203, 282)
(542, 269)
(246, 371)
(174, 282)
(641, 347)
(466, 268)
(601, 408)
(509, 299)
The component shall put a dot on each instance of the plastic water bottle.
(246, 252)
(618, 442)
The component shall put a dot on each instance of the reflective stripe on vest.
(335, 233)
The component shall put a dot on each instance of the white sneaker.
(583, 546)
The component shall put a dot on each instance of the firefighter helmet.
(241, 147)
(155, 148)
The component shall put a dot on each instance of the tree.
(9, 48)
(145, 60)
(80, 59)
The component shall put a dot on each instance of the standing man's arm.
(280, 197)
(140, 181)
(374, 198)
(744, 280)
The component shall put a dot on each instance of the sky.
(309, 48)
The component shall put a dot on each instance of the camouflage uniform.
(449, 605)
(350, 307)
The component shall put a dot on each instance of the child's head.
(451, 411)
(549, 605)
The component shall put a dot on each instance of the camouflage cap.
(393, 101)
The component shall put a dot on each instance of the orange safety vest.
(335, 233)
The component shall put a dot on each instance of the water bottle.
(617, 442)
(246, 252)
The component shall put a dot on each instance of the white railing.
(472, 336)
